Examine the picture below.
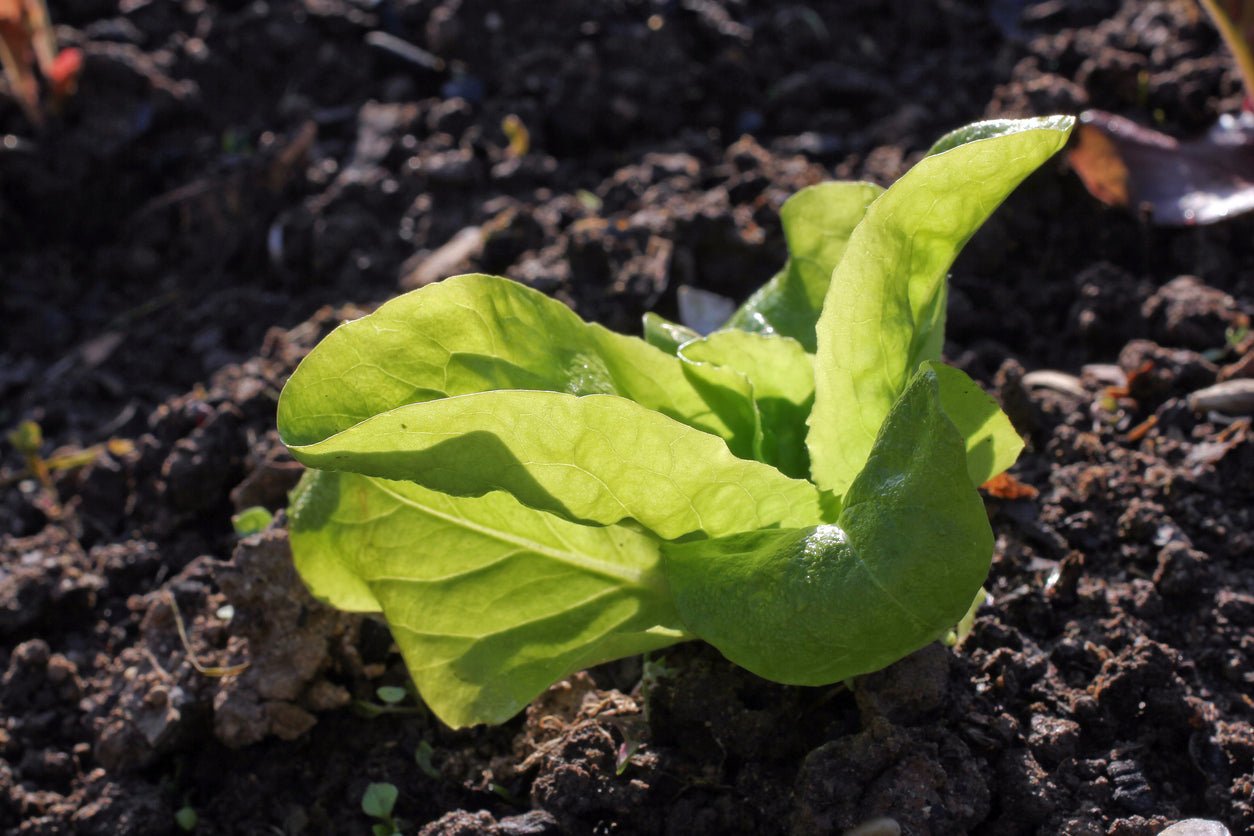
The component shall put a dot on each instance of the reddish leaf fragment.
(1146, 367)
(63, 74)
(1174, 182)
(1125, 390)
(1005, 486)
(1141, 430)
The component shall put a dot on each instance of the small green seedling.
(422, 757)
(26, 439)
(506, 794)
(378, 801)
(966, 624)
(251, 520)
(391, 701)
(186, 819)
(1235, 335)
(391, 694)
(522, 494)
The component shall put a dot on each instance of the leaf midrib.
(633, 577)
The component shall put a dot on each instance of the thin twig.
(207, 670)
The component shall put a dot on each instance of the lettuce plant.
(522, 494)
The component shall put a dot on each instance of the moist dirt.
(233, 179)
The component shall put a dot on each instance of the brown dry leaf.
(1096, 159)
(1173, 182)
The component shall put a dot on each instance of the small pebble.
(1061, 382)
(882, 826)
(404, 50)
(1232, 397)
(1196, 827)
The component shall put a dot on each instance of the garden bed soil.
(233, 179)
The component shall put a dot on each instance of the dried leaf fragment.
(1005, 486)
(1173, 182)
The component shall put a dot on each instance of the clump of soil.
(232, 180)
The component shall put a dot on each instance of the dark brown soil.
(234, 178)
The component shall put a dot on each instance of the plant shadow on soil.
(234, 179)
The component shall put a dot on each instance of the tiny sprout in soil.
(522, 494)
(186, 818)
(422, 757)
(378, 801)
(390, 694)
(251, 520)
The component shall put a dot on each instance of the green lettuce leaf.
(780, 376)
(817, 223)
(992, 442)
(598, 459)
(884, 310)
(993, 128)
(665, 335)
(490, 602)
(729, 393)
(480, 333)
(895, 571)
